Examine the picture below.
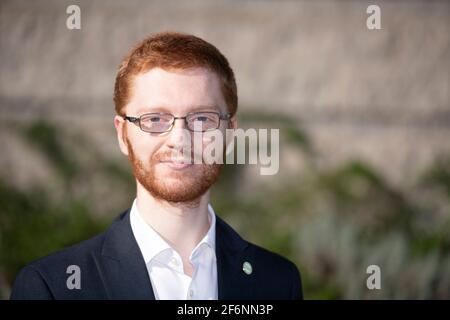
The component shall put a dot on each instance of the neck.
(182, 225)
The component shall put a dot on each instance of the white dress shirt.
(165, 267)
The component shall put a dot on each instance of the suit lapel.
(124, 270)
(233, 282)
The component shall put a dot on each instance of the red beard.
(186, 185)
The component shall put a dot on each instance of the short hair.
(174, 51)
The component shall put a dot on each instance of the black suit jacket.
(112, 267)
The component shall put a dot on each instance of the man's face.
(153, 156)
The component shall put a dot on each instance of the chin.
(164, 174)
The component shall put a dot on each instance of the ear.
(120, 124)
(232, 123)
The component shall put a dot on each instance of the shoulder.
(41, 278)
(83, 253)
(269, 259)
(278, 277)
(78, 254)
(275, 270)
(46, 277)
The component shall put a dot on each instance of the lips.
(178, 163)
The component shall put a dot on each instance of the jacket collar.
(125, 272)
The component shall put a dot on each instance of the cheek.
(214, 138)
(144, 147)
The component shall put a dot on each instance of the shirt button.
(191, 293)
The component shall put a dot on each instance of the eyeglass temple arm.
(131, 119)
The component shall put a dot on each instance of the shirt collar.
(209, 240)
(152, 244)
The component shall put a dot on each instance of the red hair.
(172, 51)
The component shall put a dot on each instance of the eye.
(155, 119)
(201, 118)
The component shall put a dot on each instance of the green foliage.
(44, 137)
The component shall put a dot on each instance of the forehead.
(177, 91)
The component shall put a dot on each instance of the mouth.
(177, 164)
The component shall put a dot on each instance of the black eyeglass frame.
(137, 120)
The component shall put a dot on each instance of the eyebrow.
(157, 109)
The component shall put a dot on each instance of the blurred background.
(364, 119)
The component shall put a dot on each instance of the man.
(170, 244)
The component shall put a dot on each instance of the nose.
(179, 136)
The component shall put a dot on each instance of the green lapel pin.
(247, 268)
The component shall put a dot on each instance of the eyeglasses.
(161, 122)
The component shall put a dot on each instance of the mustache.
(173, 156)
